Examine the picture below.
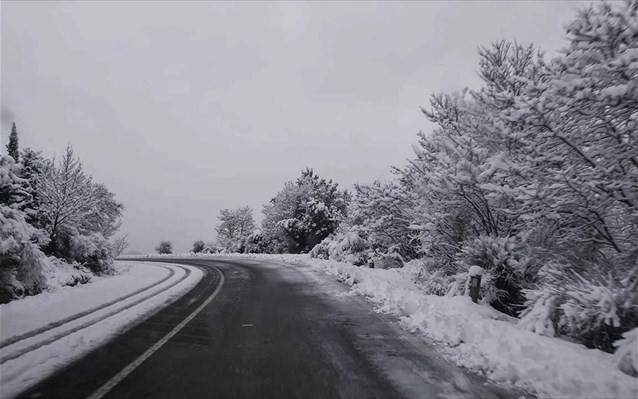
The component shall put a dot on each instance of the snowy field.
(478, 337)
(42, 333)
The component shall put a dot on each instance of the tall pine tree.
(12, 147)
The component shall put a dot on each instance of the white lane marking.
(246, 325)
(110, 384)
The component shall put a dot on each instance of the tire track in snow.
(17, 338)
(47, 341)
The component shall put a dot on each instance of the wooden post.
(371, 256)
(475, 282)
(475, 287)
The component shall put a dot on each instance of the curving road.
(253, 329)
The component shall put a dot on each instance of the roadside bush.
(322, 250)
(255, 244)
(93, 251)
(21, 262)
(508, 269)
(345, 247)
(540, 315)
(62, 274)
(198, 246)
(391, 259)
(582, 302)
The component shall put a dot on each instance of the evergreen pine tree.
(12, 147)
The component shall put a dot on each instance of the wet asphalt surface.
(271, 332)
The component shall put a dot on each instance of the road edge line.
(110, 384)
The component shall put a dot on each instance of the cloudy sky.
(184, 108)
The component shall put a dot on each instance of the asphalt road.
(270, 331)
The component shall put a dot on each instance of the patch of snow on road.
(24, 315)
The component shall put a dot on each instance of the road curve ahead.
(253, 329)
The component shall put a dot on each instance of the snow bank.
(480, 338)
(168, 282)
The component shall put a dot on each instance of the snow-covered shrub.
(598, 309)
(539, 315)
(349, 247)
(627, 352)
(322, 250)
(459, 284)
(255, 244)
(428, 275)
(61, 274)
(351, 243)
(92, 251)
(212, 248)
(21, 262)
(346, 247)
(391, 259)
(508, 270)
(591, 307)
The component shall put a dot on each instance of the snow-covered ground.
(42, 333)
(480, 338)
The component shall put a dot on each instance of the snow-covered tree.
(580, 194)
(73, 205)
(303, 213)
(280, 208)
(21, 262)
(236, 225)
(165, 247)
(119, 245)
(15, 192)
(12, 146)
(198, 246)
(383, 214)
(33, 166)
(583, 116)
(534, 177)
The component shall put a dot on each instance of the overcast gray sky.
(184, 108)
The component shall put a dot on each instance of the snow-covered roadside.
(26, 314)
(22, 316)
(480, 338)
